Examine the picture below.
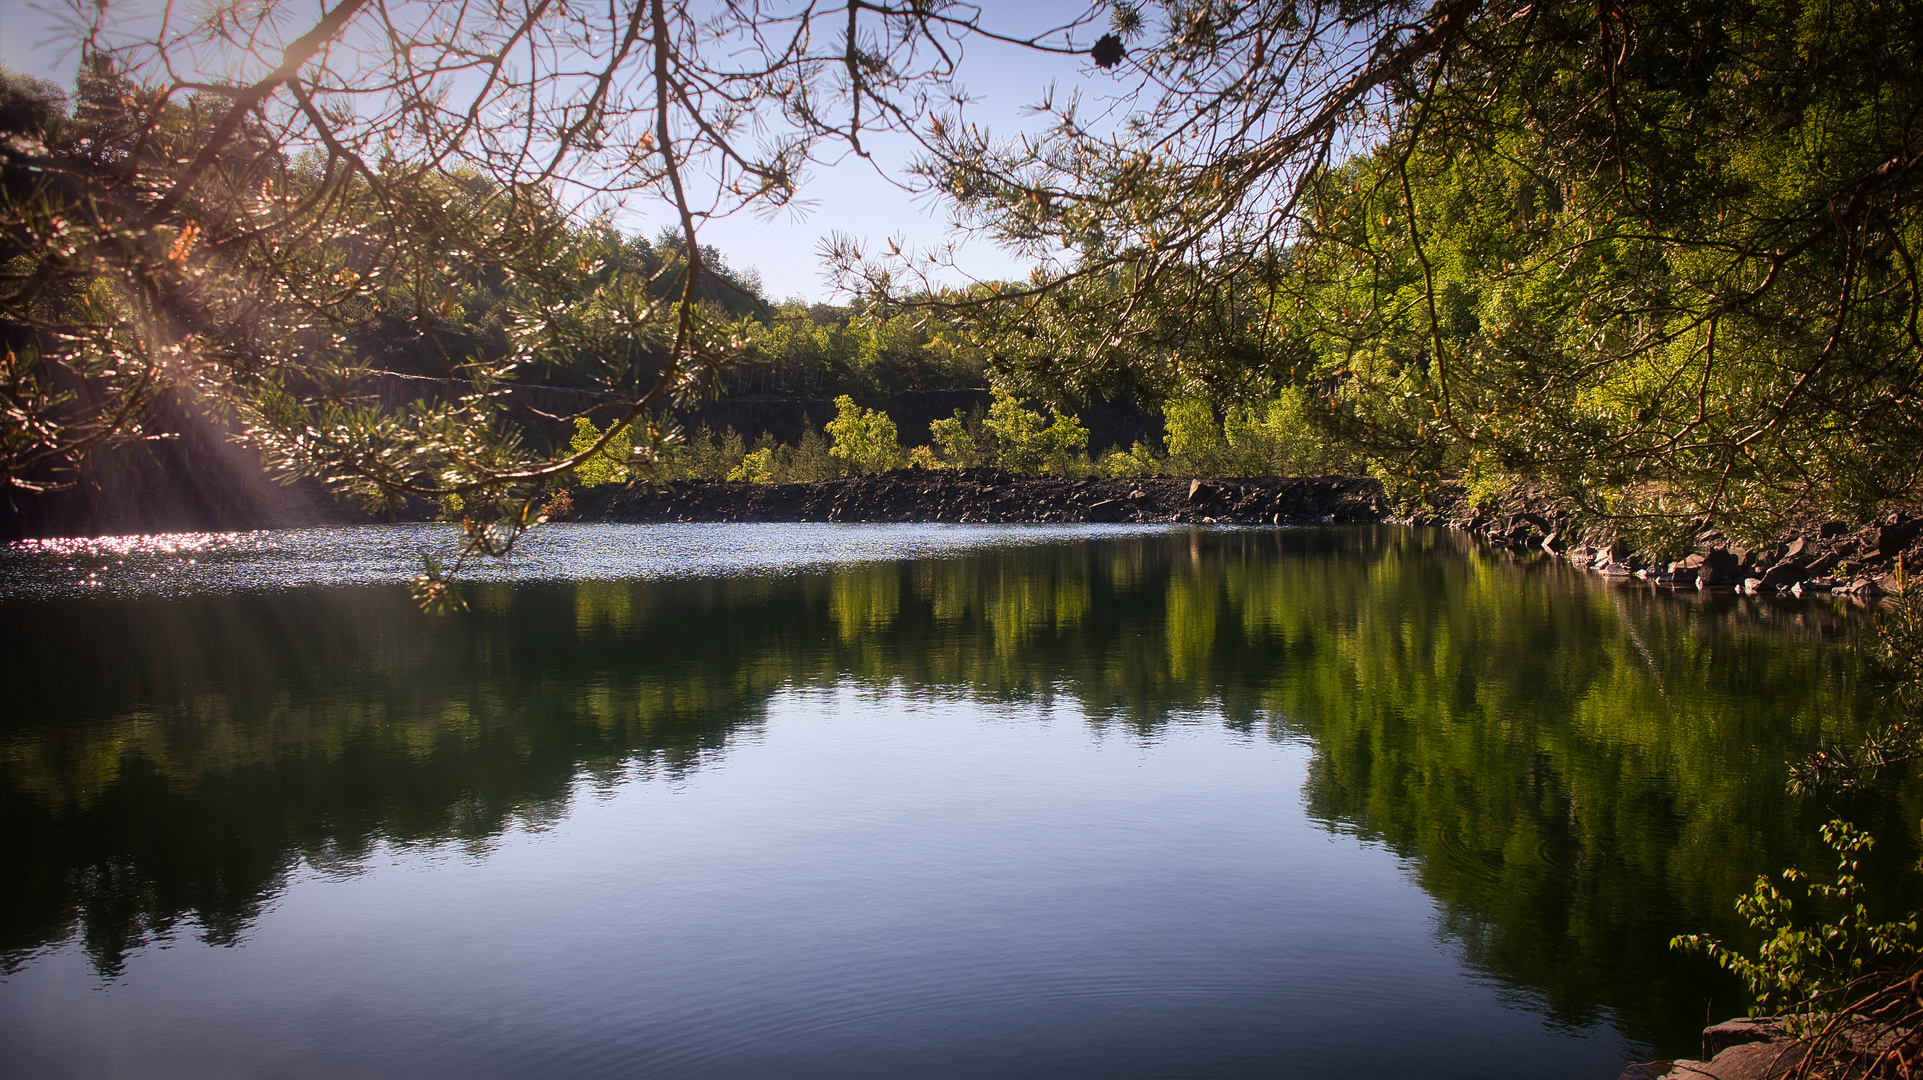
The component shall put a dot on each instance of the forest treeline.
(784, 349)
(1658, 261)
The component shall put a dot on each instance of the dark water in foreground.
(885, 801)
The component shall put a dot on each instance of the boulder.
(1891, 539)
(1716, 567)
(1748, 1061)
(1720, 1037)
(1732, 1050)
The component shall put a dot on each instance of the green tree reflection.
(1574, 771)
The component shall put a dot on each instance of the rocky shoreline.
(1859, 559)
(1847, 558)
(992, 496)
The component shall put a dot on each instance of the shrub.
(864, 438)
(1195, 444)
(805, 462)
(608, 465)
(1806, 969)
(959, 440)
(1024, 445)
(704, 456)
(1137, 461)
(757, 466)
(1275, 438)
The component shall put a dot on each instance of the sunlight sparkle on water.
(65, 563)
(180, 564)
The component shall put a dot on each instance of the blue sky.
(853, 197)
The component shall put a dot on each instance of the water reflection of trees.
(1574, 770)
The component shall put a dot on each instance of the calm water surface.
(852, 801)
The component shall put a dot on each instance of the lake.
(887, 800)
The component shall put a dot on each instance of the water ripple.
(178, 564)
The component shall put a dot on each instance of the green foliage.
(706, 456)
(821, 350)
(1138, 460)
(1896, 659)
(757, 467)
(960, 441)
(1024, 444)
(1656, 260)
(609, 464)
(1278, 437)
(1805, 968)
(864, 438)
(808, 461)
(1196, 446)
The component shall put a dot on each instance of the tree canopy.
(1657, 257)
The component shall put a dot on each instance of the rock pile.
(990, 495)
(1828, 556)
